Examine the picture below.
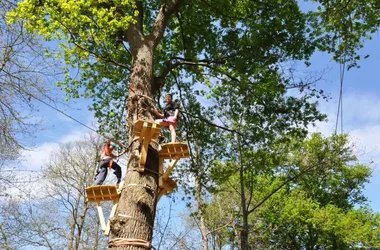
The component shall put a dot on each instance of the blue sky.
(361, 115)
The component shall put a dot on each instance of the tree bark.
(135, 214)
(134, 217)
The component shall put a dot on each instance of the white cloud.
(73, 136)
(361, 108)
(34, 159)
(361, 119)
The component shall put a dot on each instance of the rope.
(143, 96)
(133, 218)
(118, 242)
(63, 113)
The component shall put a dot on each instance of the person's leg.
(162, 122)
(117, 171)
(102, 173)
(172, 132)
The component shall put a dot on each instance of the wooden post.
(101, 216)
(112, 214)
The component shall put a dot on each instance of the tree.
(287, 206)
(53, 213)
(69, 171)
(24, 72)
(149, 43)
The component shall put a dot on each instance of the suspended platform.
(146, 132)
(103, 193)
(174, 151)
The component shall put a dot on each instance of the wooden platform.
(145, 131)
(167, 187)
(102, 193)
(142, 127)
(174, 150)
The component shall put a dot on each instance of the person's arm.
(125, 151)
(109, 141)
(176, 112)
(117, 143)
(155, 111)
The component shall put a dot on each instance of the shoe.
(161, 138)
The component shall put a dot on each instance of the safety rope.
(119, 242)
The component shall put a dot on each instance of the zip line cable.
(60, 111)
(342, 66)
(340, 101)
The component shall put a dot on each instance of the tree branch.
(166, 11)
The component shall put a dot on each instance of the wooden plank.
(101, 193)
(160, 171)
(171, 183)
(143, 131)
(144, 149)
(161, 193)
(174, 150)
(139, 125)
(168, 187)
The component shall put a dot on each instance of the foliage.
(233, 49)
(302, 195)
(70, 169)
(341, 27)
(238, 43)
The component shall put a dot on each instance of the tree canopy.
(233, 42)
(314, 200)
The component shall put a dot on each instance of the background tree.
(53, 213)
(236, 42)
(24, 75)
(69, 171)
(295, 214)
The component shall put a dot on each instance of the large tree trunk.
(135, 214)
